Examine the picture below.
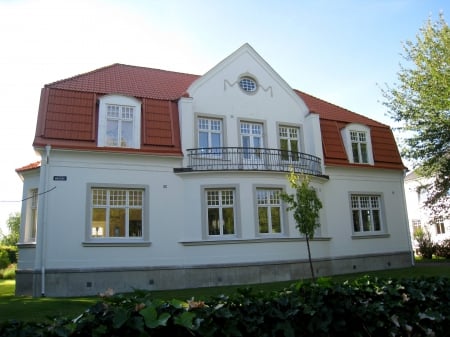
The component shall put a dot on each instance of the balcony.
(251, 159)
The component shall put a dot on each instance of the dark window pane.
(213, 221)
(228, 220)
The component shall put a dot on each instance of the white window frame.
(289, 138)
(205, 208)
(252, 153)
(367, 206)
(31, 216)
(210, 131)
(128, 104)
(104, 237)
(270, 204)
(348, 142)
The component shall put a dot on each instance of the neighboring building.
(416, 192)
(154, 179)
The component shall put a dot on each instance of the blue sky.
(342, 51)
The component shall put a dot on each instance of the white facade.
(416, 193)
(175, 247)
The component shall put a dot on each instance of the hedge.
(364, 307)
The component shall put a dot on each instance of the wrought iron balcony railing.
(251, 159)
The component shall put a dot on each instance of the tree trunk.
(310, 260)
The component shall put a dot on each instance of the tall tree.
(13, 224)
(305, 205)
(420, 102)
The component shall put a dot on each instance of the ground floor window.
(31, 216)
(220, 209)
(366, 214)
(268, 204)
(116, 213)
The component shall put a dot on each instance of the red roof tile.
(130, 80)
(29, 167)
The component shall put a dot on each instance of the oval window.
(248, 84)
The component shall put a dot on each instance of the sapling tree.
(305, 205)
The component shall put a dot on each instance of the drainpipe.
(405, 206)
(44, 217)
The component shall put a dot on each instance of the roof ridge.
(338, 106)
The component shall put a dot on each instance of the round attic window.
(248, 84)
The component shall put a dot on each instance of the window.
(119, 125)
(416, 223)
(248, 84)
(119, 122)
(357, 142)
(440, 227)
(366, 214)
(210, 134)
(252, 140)
(32, 216)
(116, 213)
(268, 204)
(289, 142)
(359, 146)
(220, 211)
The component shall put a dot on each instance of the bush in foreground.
(364, 307)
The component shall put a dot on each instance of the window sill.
(109, 243)
(369, 236)
(245, 241)
(26, 245)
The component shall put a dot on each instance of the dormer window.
(359, 146)
(357, 142)
(119, 122)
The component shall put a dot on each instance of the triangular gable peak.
(245, 63)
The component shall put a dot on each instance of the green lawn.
(38, 309)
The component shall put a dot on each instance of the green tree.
(420, 102)
(13, 224)
(305, 205)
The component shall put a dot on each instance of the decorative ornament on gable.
(248, 84)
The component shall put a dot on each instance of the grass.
(39, 309)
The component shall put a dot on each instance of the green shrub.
(442, 249)
(9, 273)
(12, 252)
(426, 245)
(364, 307)
(4, 259)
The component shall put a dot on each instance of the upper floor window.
(251, 140)
(289, 142)
(366, 214)
(119, 121)
(209, 133)
(358, 145)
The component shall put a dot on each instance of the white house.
(153, 179)
(416, 192)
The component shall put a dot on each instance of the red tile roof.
(130, 80)
(159, 91)
(29, 167)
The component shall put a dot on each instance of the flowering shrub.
(364, 307)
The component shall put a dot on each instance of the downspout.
(405, 206)
(44, 218)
